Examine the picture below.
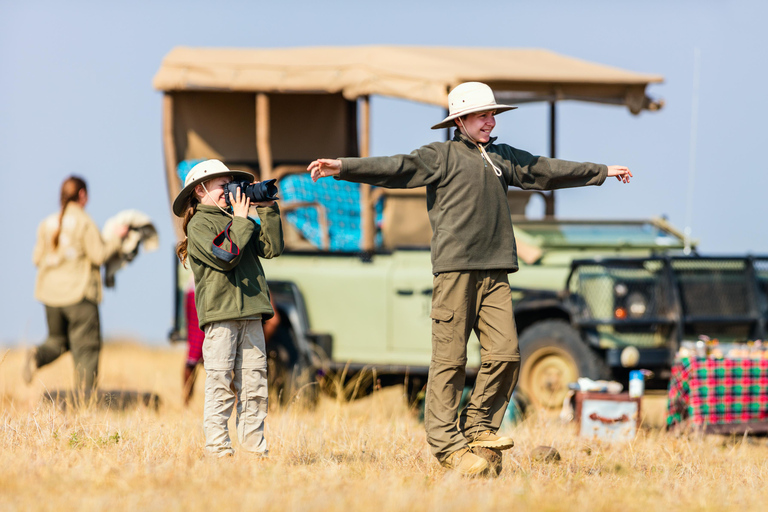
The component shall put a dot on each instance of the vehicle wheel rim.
(546, 375)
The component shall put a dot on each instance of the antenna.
(692, 154)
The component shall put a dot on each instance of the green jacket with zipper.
(466, 200)
(236, 289)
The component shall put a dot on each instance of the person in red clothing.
(195, 337)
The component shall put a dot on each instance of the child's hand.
(622, 173)
(240, 204)
(324, 167)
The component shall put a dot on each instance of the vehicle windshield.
(575, 233)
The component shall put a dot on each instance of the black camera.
(256, 192)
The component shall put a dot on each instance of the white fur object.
(142, 233)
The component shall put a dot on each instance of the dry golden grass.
(367, 455)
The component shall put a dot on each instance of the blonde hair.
(70, 191)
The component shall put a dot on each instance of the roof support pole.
(367, 218)
(263, 146)
(549, 199)
(169, 154)
(553, 129)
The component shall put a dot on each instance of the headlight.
(636, 305)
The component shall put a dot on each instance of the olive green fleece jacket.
(466, 200)
(235, 289)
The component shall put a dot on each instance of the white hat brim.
(181, 197)
(448, 121)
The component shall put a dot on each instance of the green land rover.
(354, 285)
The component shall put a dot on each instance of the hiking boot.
(488, 439)
(466, 463)
(30, 365)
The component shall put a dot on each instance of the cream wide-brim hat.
(204, 171)
(467, 98)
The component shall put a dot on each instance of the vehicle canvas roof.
(240, 105)
(418, 73)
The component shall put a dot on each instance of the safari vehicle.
(613, 307)
(354, 285)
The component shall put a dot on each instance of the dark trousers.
(77, 329)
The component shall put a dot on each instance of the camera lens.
(256, 192)
(262, 191)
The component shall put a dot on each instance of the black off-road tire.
(554, 355)
(290, 374)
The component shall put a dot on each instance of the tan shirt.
(70, 273)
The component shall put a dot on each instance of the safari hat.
(204, 171)
(467, 98)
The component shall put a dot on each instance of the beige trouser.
(235, 346)
(463, 301)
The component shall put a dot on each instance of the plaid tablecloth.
(711, 391)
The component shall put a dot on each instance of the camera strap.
(219, 251)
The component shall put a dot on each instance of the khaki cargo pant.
(463, 301)
(75, 328)
(235, 346)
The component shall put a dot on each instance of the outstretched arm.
(323, 167)
(622, 173)
(531, 172)
(421, 167)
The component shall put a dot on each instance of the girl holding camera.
(223, 248)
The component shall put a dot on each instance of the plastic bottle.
(636, 384)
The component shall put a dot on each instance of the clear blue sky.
(76, 97)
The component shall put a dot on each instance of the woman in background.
(68, 254)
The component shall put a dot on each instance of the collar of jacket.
(207, 208)
(460, 137)
(73, 206)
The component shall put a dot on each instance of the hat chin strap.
(481, 148)
(215, 202)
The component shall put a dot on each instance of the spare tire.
(554, 355)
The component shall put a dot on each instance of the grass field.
(370, 454)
